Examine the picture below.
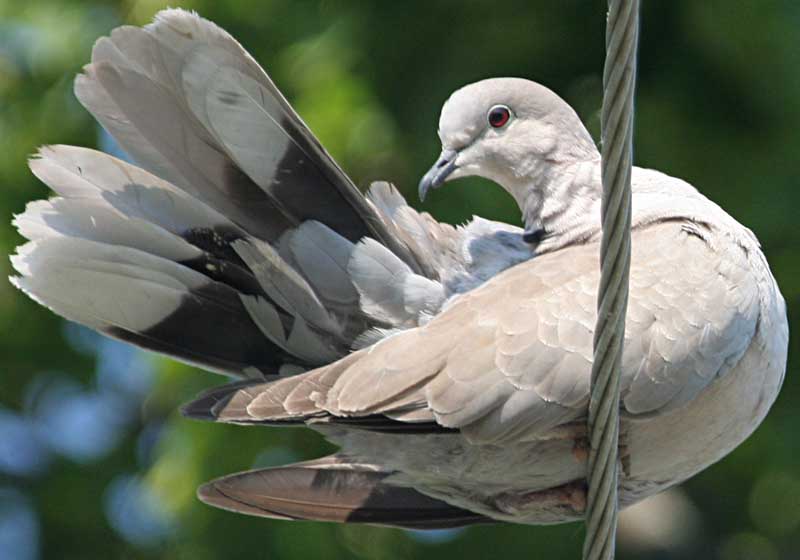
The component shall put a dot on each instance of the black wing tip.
(204, 405)
(198, 410)
(211, 405)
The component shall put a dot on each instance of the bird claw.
(570, 497)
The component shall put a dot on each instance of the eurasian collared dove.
(451, 364)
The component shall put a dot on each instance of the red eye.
(498, 116)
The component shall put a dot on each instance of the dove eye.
(498, 116)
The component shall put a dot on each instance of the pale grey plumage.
(451, 363)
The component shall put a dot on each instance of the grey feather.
(83, 277)
(145, 299)
(183, 131)
(96, 221)
(80, 173)
(301, 341)
(379, 277)
(284, 285)
(322, 255)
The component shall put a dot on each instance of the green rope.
(622, 33)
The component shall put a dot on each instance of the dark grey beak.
(437, 174)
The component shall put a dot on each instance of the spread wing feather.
(233, 193)
(192, 106)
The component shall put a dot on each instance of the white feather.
(101, 285)
(80, 173)
(95, 220)
(421, 296)
(379, 277)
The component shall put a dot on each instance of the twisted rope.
(622, 33)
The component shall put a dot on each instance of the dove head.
(510, 131)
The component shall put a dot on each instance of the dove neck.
(561, 199)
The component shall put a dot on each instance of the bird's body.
(508, 364)
(451, 364)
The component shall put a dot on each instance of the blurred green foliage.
(718, 104)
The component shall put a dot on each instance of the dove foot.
(578, 433)
(568, 500)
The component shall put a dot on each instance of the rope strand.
(622, 33)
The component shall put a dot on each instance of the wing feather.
(512, 359)
(191, 105)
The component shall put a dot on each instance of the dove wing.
(235, 220)
(190, 105)
(512, 359)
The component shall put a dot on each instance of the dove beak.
(438, 174)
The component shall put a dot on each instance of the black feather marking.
(534, 236)
(201, 409)
(217, 241)
(210, 328)
(221, 261)
(383, 424)
(347, 211)
(256, 204)
(307, 193)
(230, 274)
